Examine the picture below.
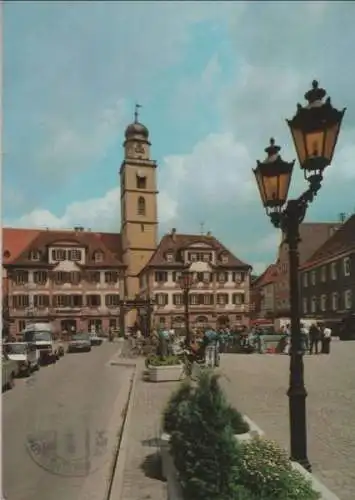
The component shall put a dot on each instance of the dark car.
(95, 339)
(80, 342)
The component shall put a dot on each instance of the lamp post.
(186, 282)
(315, 130)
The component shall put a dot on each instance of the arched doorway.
(201, 321)
(222, 321)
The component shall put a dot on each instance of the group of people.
(315, 340)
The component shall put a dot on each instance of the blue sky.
(216, 80)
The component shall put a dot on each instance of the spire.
(136, 112)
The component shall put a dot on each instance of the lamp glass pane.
(271, 187)
(299, 142)
(314, 144)
(259, 180)
(284, 184)
(330, 141)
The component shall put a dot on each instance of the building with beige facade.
(84, 280)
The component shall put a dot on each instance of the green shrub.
(171, 412)
(154, 360)
(204, 447)
(266, 471)
(238, 424)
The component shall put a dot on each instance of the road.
(256, 385)
(60, 427)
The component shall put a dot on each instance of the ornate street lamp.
(186, 282)
(315, 130)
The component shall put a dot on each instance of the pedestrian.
(326, 339)
(305, 337)
(314, 337)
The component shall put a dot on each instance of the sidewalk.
(141, 479)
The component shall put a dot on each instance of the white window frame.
(323, 274)
(333, 271)
(169, 257)
(75, 254)
(35, 255)
(305, 280)
(59, 254)
(313, 277)
(305, 305)
(335, 301)
(346, 266)
(348, 299)
(314, 304)
(323, 302)
(98, 256)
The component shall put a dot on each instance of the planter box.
(169, 471)
(165, 373)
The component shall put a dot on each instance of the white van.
(25, 356)
(41, 335)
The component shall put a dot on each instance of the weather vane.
(137, 106)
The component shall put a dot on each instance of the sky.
(216, 80)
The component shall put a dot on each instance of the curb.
(116, 487)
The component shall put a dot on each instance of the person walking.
(314, 337)
(305, 337)
(326, 339)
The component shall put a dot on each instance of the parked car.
(9, 371)
(79, 342)
(25, 356)
(95, 339)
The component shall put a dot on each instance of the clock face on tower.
(139, 149)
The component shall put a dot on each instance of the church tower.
(139, 211)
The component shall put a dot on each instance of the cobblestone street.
(257, 384)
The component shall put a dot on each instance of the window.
(333, 271)
(21, 277)
(20, 301)
(178, 299)
(93, 276)
(35, 255)
(335, 301)
(111, 277)
(346, 266)
(162, 299)
(224, 259)
(193, 299)
(192, 257)
(323, 303)
(305, 280)
(61, 277)
(207, 257)
(207, 299)
(98, 256)
(75, 254)
(40, 277)
(141, 181)
(112, 300)
(169, 257)
(161, 276)
(238, 298)
(141, 206)
(176, 276)
(113, 323)
(59, 254)
(68, 300)
(313, 277)
(75, 277)
(305, 305)
(313, 304)
(222, 299)
(162, 320)
(95, 325)
(93, 300)
(238, 277)
(222, 277)
(142, 228)
(21, 325)
(41, 301)
(323, 274)
(347, 299)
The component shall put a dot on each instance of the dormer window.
(59, 254)
(169, 257)
(98, 256)
(35, 255)
(75, 254)
(224, 259)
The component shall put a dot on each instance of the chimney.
(78, 229)
(173, 233)
(209, 233)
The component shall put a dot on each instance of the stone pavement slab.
(141, 479)
(256, 385)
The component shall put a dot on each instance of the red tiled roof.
(18, 243)
(341, 241)
(267, 277)
(176, 243)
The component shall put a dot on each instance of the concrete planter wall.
(165, 373)
(169, 471)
